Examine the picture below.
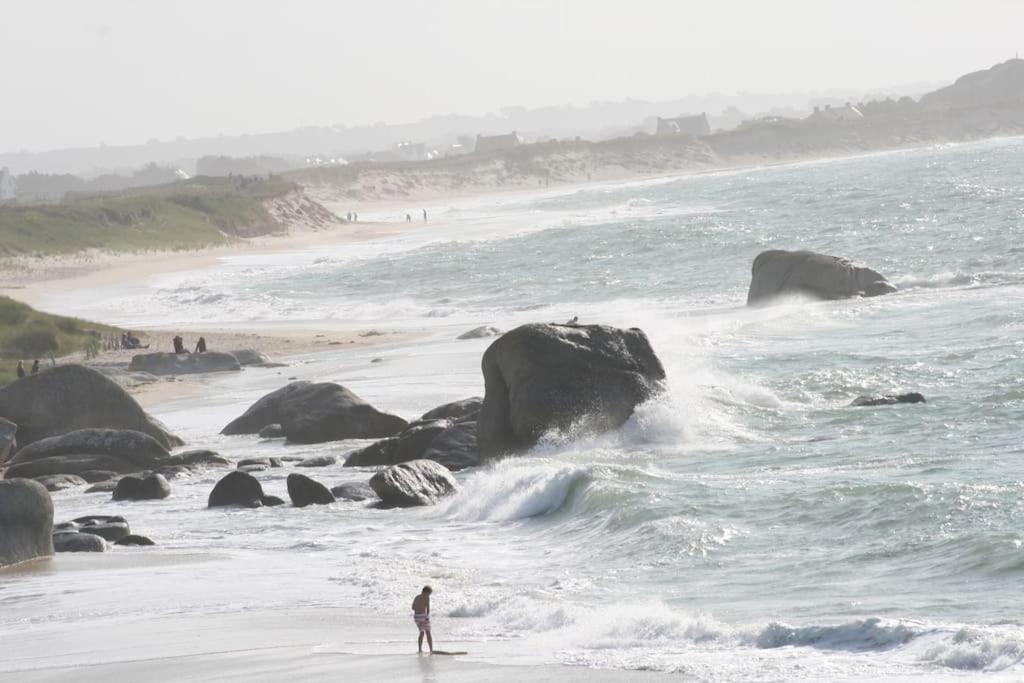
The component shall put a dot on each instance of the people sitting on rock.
(201, 345)
(21, 370)
(179, 344)
(35, 367)
(574, 321)
(129, 341)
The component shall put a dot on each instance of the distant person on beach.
(201, 345)
(408, 218)
(179, 344)
(424, 215)
(421, 616)
(21, 370)
(355, 217)
(35, 367)
(348, 216)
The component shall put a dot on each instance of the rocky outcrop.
(160, 363)
(314, 413)
(481, 332)
(109, 527)
(238, 488)
(451, 445)
(456, 410)
(305, 491)
(455, 447)
(887, 400)
(59, 482)
(113, 450)
(75, 542)
(8, 443)
(152, 487)
(274, 431)
(26, 521)
(354, 491)
(543, 377)
(778, 273)
(420, 482)
(71, 397)
(135, 540)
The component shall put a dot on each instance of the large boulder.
(354, 491)
(544, 377)
(420, 482)
(160, 363)
(456, 410)
(152, 487)
(114, 450)
(314, 413)
(455, 447)
(237, 488)
(70, 397)
(75, 542)
(408, 445)
(59, 482)
(26, 521)
(305, 491)
(778, 273)
(8, 444)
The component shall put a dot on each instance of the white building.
(8, 190)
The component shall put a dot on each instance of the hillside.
(27, 334)
(189, 214)
(1001, 85)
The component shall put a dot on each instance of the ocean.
(749, 525)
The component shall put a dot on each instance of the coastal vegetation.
(27, 334)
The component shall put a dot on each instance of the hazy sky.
(82, 72)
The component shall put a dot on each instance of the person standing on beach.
(35, 367)
(424, 215)
(421, 617)
(21, 370)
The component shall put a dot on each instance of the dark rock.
(75, 542)
(59, 482)
(8, 443)
(271, 501)
(355, 491)
(778, 273)
(420, 482)
(134, 539)
(480, 332)
(99, 519)
(201, 458)
(377, 453)
(318, 461)
(887, 400)
(26, 521)
(65, 526)
(305, 491)
(314, 413)
(543, 377)
(455, 447)
(237, 488)
(117, 450)
(456, 410)
(409, 445)
(153, 487)
(103, 486)
(72, 397)
(160, 363)
(111, 531)
(266, 462)
(273, 431)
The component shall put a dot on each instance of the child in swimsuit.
(421, 616)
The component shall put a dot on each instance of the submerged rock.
(73, 397)
(26, 521)
(114, 450)
(305, 491)
(75, 542)
(317, 461)
(409, 484)
(354, 491)
(778, 273)
(544, 377)
(887, 400)
(113, 529)
(134, 539)
(59, 482)
(184, 363)
(152, 487)
(481, 332)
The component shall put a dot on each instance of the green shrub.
(13, 312)
(68, 325)
(35, 340)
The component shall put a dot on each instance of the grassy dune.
(190, 214)
(27, 334)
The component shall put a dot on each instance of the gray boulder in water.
(75, 542)
(250, 357)
(544, 377)
(152, 487)
(354, 491)
(71, 397)
(315, 413)
(306, 491)
(184, 363)
(239, 488)
(26, 521)
(114, 450)
(887, 400)
(456, 410)
(778, 273)
(420, 482)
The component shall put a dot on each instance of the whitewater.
(749, 525)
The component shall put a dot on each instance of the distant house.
(8, 189)
(684, 125)
(411, 151)
(831, 114)
(496, 143)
